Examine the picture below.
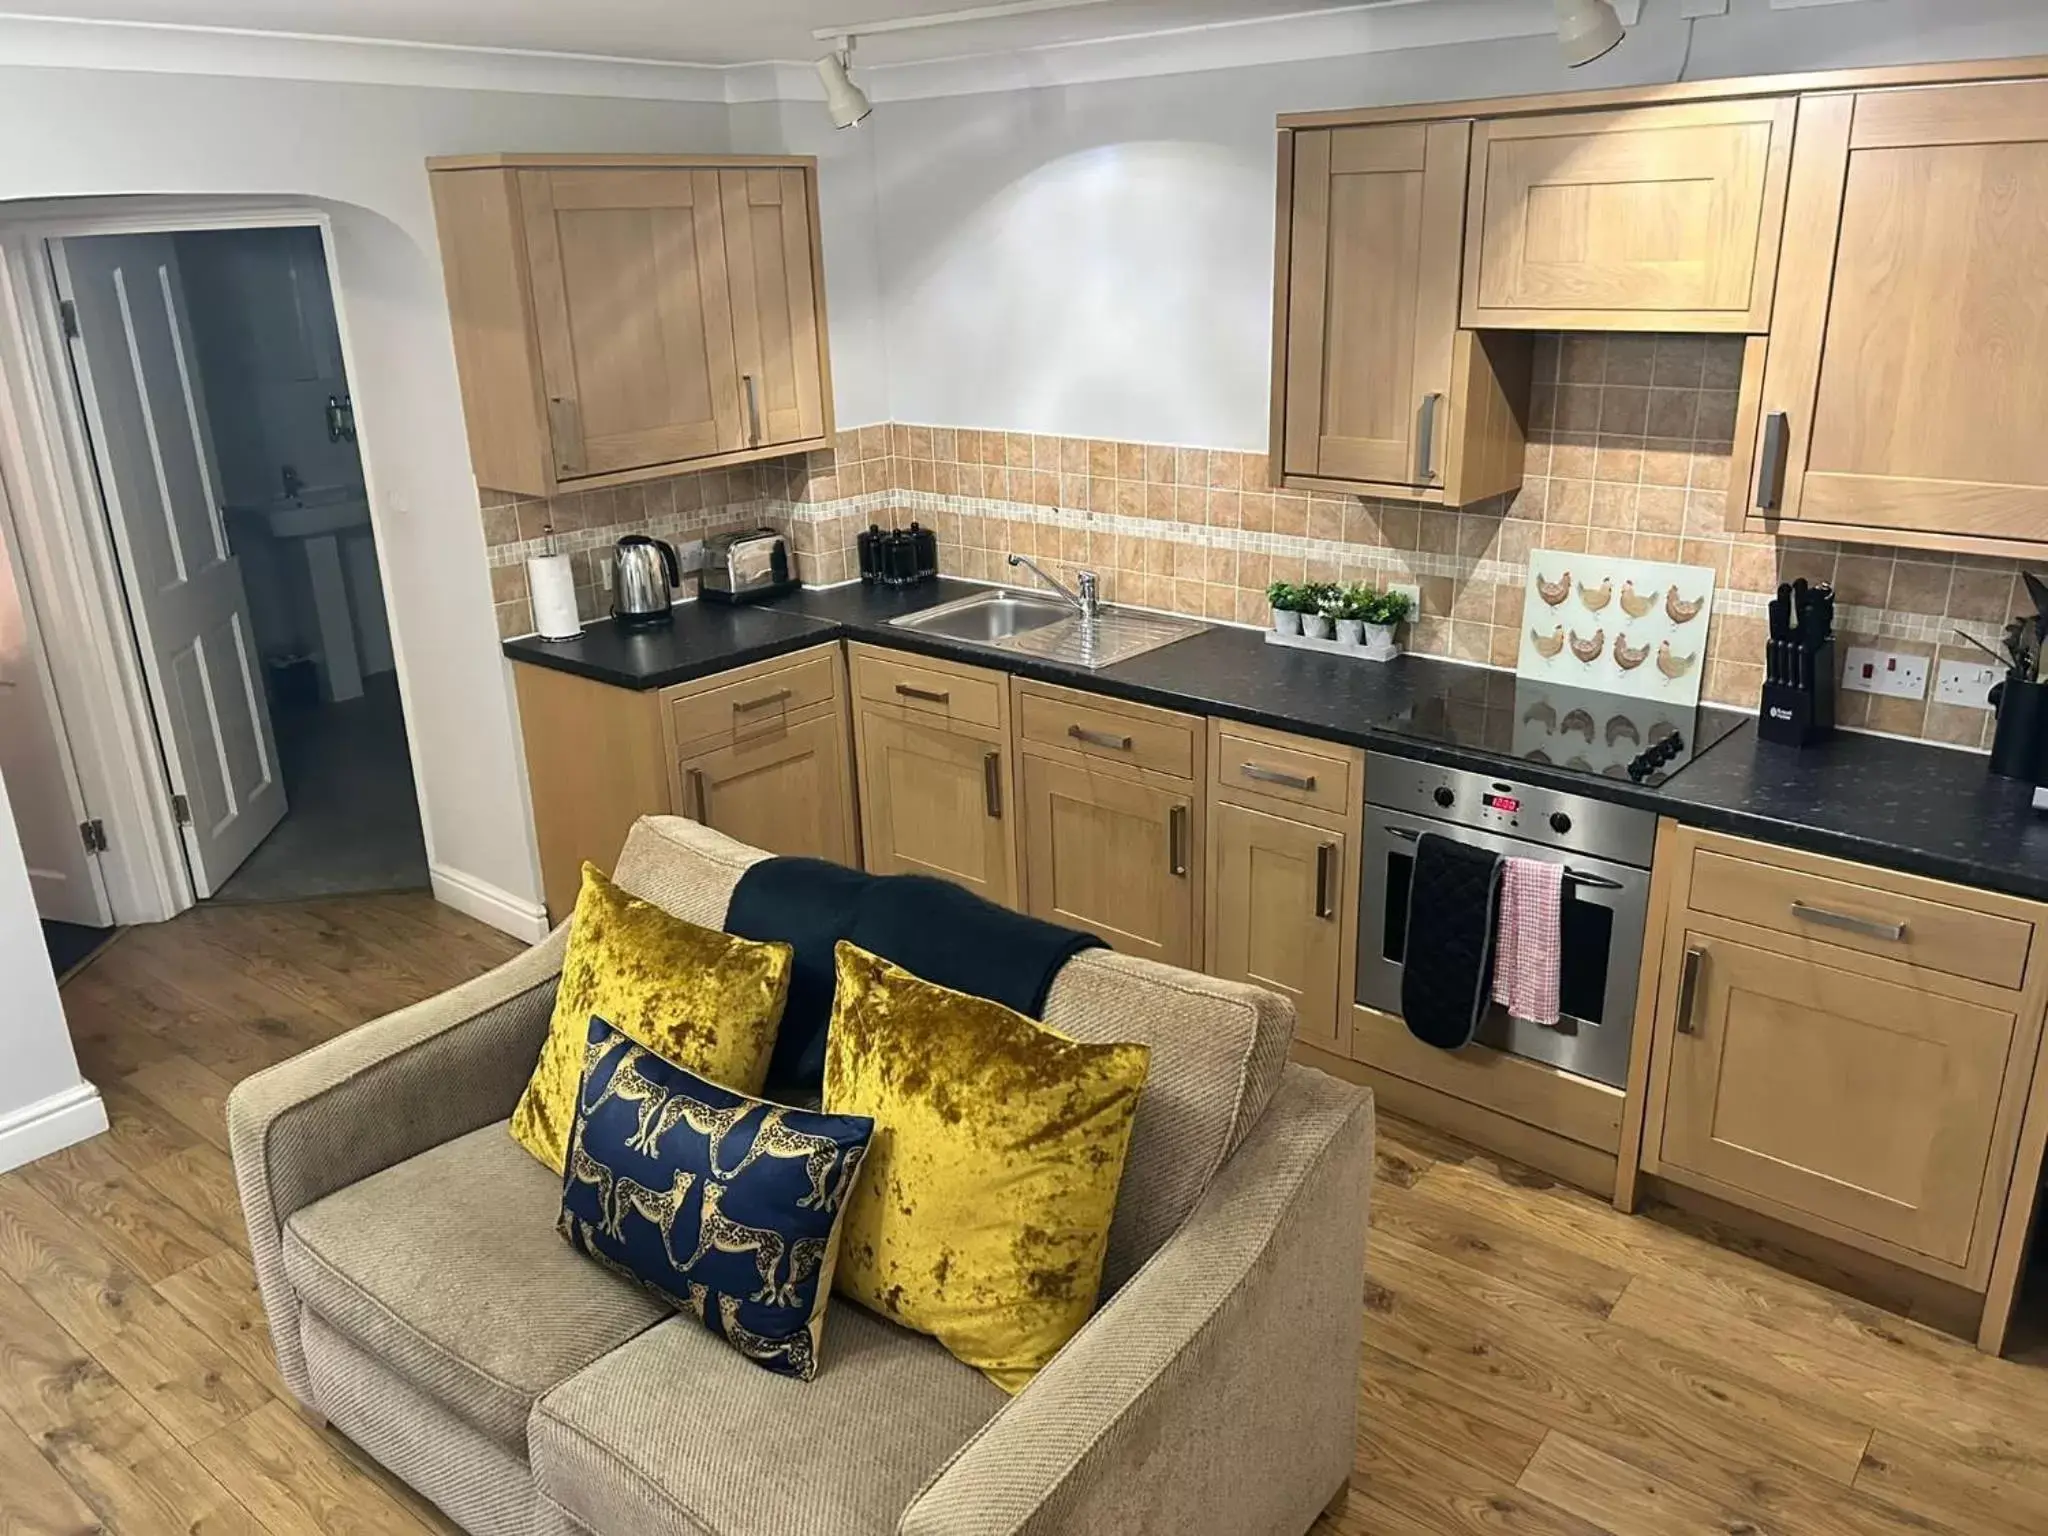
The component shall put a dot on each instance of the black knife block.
(1801, 717)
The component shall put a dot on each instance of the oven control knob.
(1560, 823)
(1444, 797)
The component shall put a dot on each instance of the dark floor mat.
(71, 944)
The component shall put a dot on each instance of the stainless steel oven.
(1606, 852)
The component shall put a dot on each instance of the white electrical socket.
(1967, 683)
(1414, 595)
(690, 555)
(1890, 673)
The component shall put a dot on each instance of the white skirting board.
(1329, 647)
(50, 1125)
(524, 920)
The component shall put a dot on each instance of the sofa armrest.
(364, 1101)
(1244, 1331)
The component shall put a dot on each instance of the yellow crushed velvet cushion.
(982, 1212)
(704, 1000)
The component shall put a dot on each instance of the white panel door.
(138, 378)
(35, 759)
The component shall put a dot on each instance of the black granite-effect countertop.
(1901, 805)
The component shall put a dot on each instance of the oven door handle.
(1594, 882)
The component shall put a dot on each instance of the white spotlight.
(1586, 29)
(847, 102)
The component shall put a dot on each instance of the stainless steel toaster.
(746, 567)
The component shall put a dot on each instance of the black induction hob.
(1609, 735)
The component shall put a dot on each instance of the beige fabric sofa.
(420, 1300)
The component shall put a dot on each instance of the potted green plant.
(1319, 617)
(1284, 599)
(1352, 603)
(1382, 611)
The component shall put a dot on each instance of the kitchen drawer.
(1102, 728)
(1285, 768)
(1919, 931)
(931, 688)
(760, 696)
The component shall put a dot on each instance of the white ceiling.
(716, 32)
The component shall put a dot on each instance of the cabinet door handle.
(1300, 781)
(1689, 989)
(929, 695)
(1326, 862)
(565, 428)
(741, 706)
(992, 783)
(1425, 437)
(1869, 927)
(1099, 738)
(1176, 840)
(753, 408)
(700, 794)
(1770, 474)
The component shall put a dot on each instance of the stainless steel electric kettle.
(645, 575)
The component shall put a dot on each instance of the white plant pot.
(1351, 631)
(1379, 641)
(1316, 625)
(1286, 621)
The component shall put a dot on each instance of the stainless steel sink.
(1026, 624)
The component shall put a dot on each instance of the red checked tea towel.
(1525, 963)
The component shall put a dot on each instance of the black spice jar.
(2019, 749)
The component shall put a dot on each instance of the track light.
(1586, 29)
(847, 102)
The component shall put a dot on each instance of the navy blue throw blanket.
(932, 928)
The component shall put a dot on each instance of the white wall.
(358, 151)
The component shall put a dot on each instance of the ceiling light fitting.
(847, 102)
(1586, 29)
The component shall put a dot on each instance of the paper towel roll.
(553, 587)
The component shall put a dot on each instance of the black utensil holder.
(2019, 746)
(1798, 716)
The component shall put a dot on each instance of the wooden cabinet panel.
(1653, 218)
(1908, 366)
(934, 801)
(1275, 898)
(1108, 730)
(787, 788)
(777, 304)
(754, 698)
(1864, 1103)
(1114, 855)
(1290, 769)
(942, 690)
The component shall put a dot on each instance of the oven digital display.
(1504, 803)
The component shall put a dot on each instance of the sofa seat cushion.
(676, 1435)
(446, 1267)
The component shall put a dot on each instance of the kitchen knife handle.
(992, 783)
(1425, 437)
(753, 408)
(1770, 476)
(1688, 990)
(1326, 860)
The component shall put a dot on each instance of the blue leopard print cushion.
(727, 1206)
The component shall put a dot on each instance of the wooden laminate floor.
(1534, 1364)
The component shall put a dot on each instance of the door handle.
(565, 429)
(1176, 840)
(753, 408)
(741, 706)
(1425, 437)
(1301, 781)
(1770, 475)
(1688, 989)
(992, 783)
(1326, 861)
(1870, 927)
(929, 695)
(1099, 738)
(700, 794)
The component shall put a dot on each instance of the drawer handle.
(741, 706)
(700, 793)
(1869, 927)
(1326, 862)
(929, 695)
(1176, 840)
(753, 408)
(1301, 781)
(1425, 438)
(992, 783)
(1099, 738)
(1770, 475)
(1689, 990)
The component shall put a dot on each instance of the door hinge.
(67, 311)
(181, 808)
(94, 835)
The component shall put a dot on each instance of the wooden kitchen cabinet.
(1907, 371)
(1656, 218)
(933, 743)
(786, 786)
(630, 317)
(1375, 389)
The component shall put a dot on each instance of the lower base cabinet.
(785, 788)
(933, 799)
(1110, 855)
(1275, 898)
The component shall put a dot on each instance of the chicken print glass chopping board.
(1634, 627)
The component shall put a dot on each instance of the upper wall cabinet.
(1907, 373)
(1648, 219)
(625, 318)
(1375, 390)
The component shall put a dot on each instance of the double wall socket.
(1890, 673)
(1967, 683)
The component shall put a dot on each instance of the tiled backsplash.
(1629, 454)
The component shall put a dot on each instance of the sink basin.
(1029, 624)
(988, 617)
